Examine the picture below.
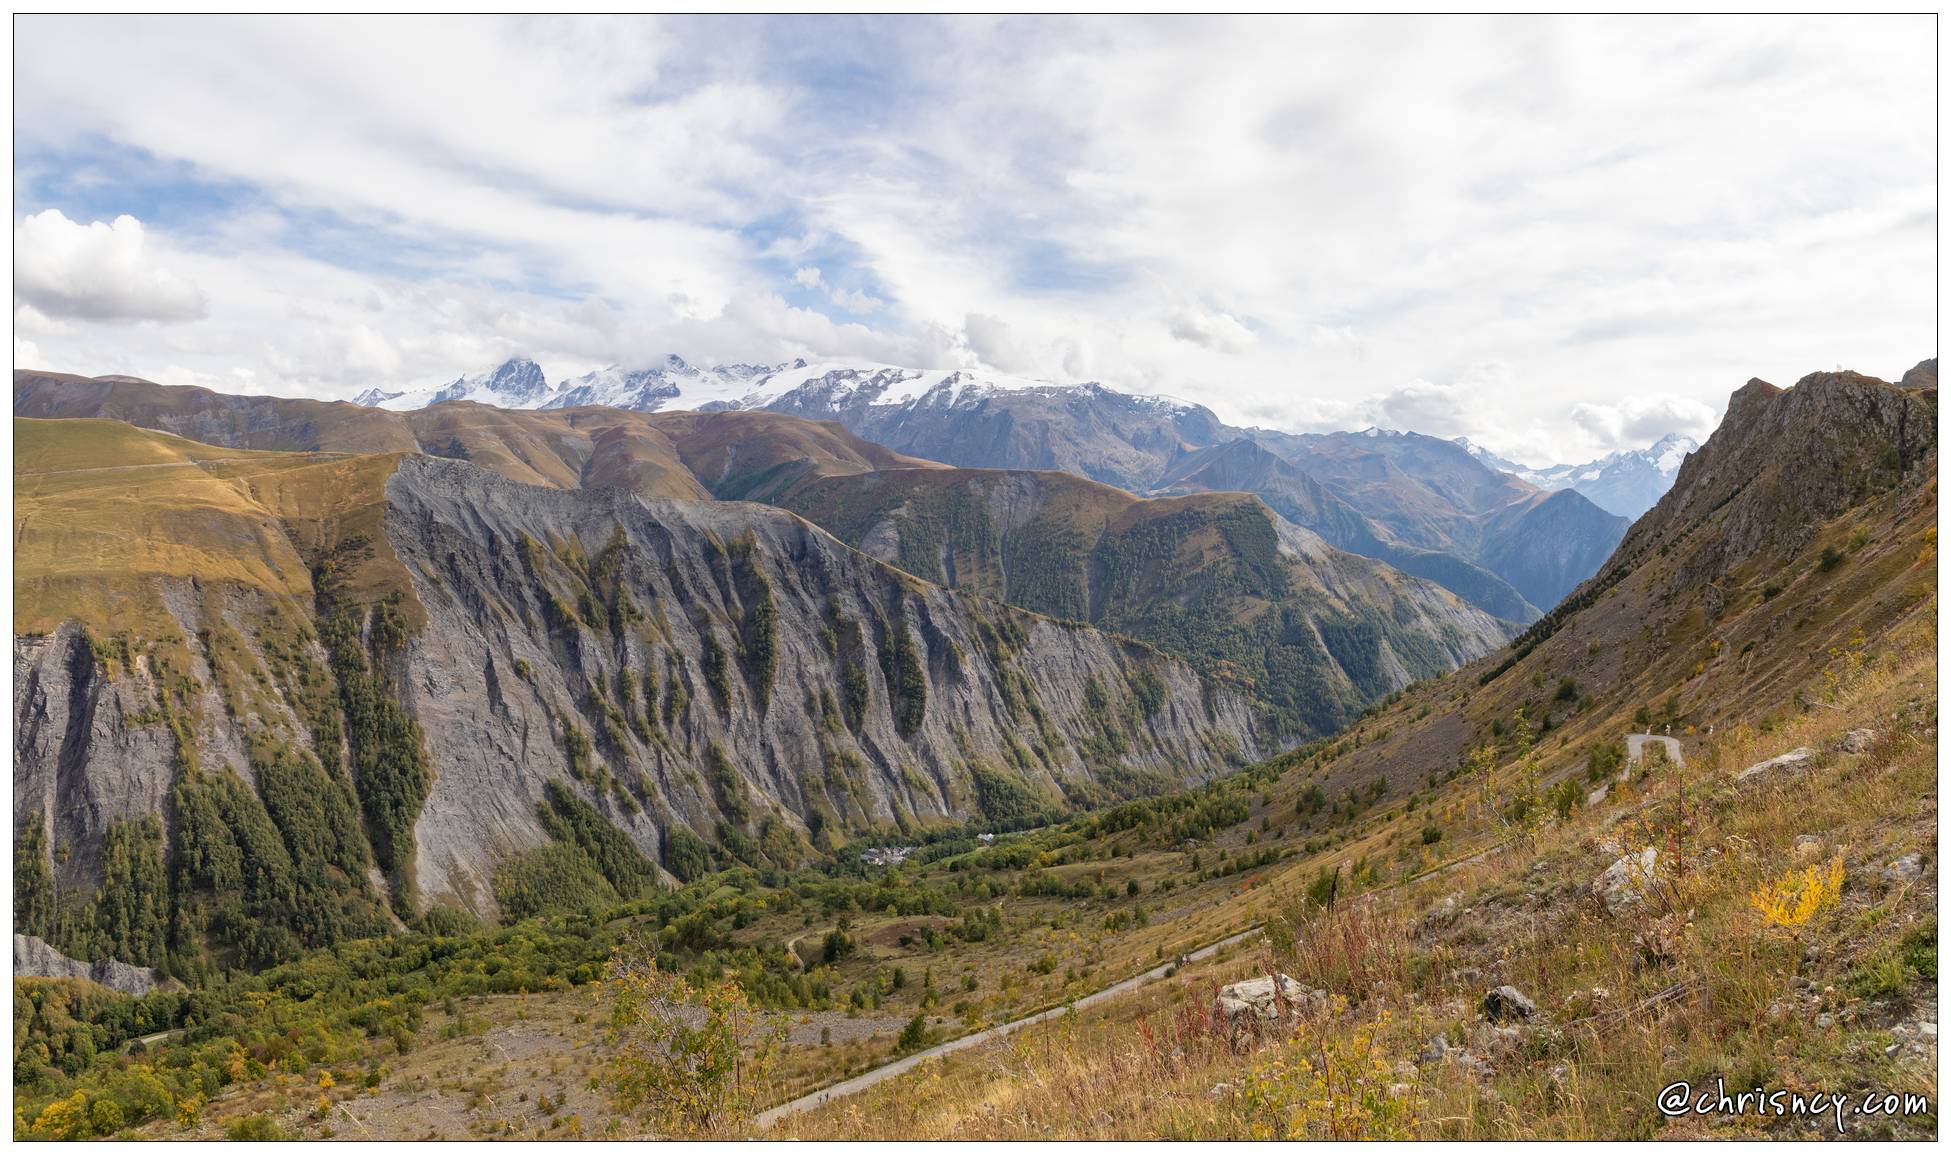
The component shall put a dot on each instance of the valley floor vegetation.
(1782, 933)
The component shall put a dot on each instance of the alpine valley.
(356, 741)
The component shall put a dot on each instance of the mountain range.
(448, 700)
(1423, 505)
(1627, 483)
(433, 623)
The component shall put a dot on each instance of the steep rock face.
(1311, 633)
(189, 769)
(1784, 460)
(34, 957)
(85, 756)
(752, 620)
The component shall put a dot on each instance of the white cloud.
(96, 272)
(1212, 330)
(1652, 208)
(1643, 420)
(852, 300)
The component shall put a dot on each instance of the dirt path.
(882, 1073)
(1636, 744)
(149, 1040)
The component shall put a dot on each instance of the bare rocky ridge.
(802, 690)
(496, 731)
(1784, 460)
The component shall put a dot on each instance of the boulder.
(1856, 741)
(1625, 883)
(1793, 759)
(1505, 1003)
(1266, 1007)
(1909, 868)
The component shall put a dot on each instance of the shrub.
(256, 1129)
(686, 1079)
(1793, 899)
(914, 1035)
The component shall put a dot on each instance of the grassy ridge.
(102, 510)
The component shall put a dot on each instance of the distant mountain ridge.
(1417, 502)
(1226, 581)
(1627, 483)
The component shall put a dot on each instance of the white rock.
(1793, 758)
(1268, 1004)
(1856, 741)
(1624, 884)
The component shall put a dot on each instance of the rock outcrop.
(1625, 884)
(877, 699)
(1265, 1007)
(1791, 760)
(719, 668)
(34, 958)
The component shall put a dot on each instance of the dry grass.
(103, 512)
(1691, 984)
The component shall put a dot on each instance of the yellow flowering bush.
(1332, 1087)
(1790, 901)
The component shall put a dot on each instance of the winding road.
(1636, 743)
(867, 1079)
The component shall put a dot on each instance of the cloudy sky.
(1558, 237)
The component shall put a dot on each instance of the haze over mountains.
(1627, 483)
(1425, 506)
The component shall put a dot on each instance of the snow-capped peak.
(1627, 482)
(673, 383)
(516, 383)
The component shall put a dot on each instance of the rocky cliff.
(284, 699)
(734, 670)
(1310, 633)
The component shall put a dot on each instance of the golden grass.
(1693, 984)
(103, 510)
